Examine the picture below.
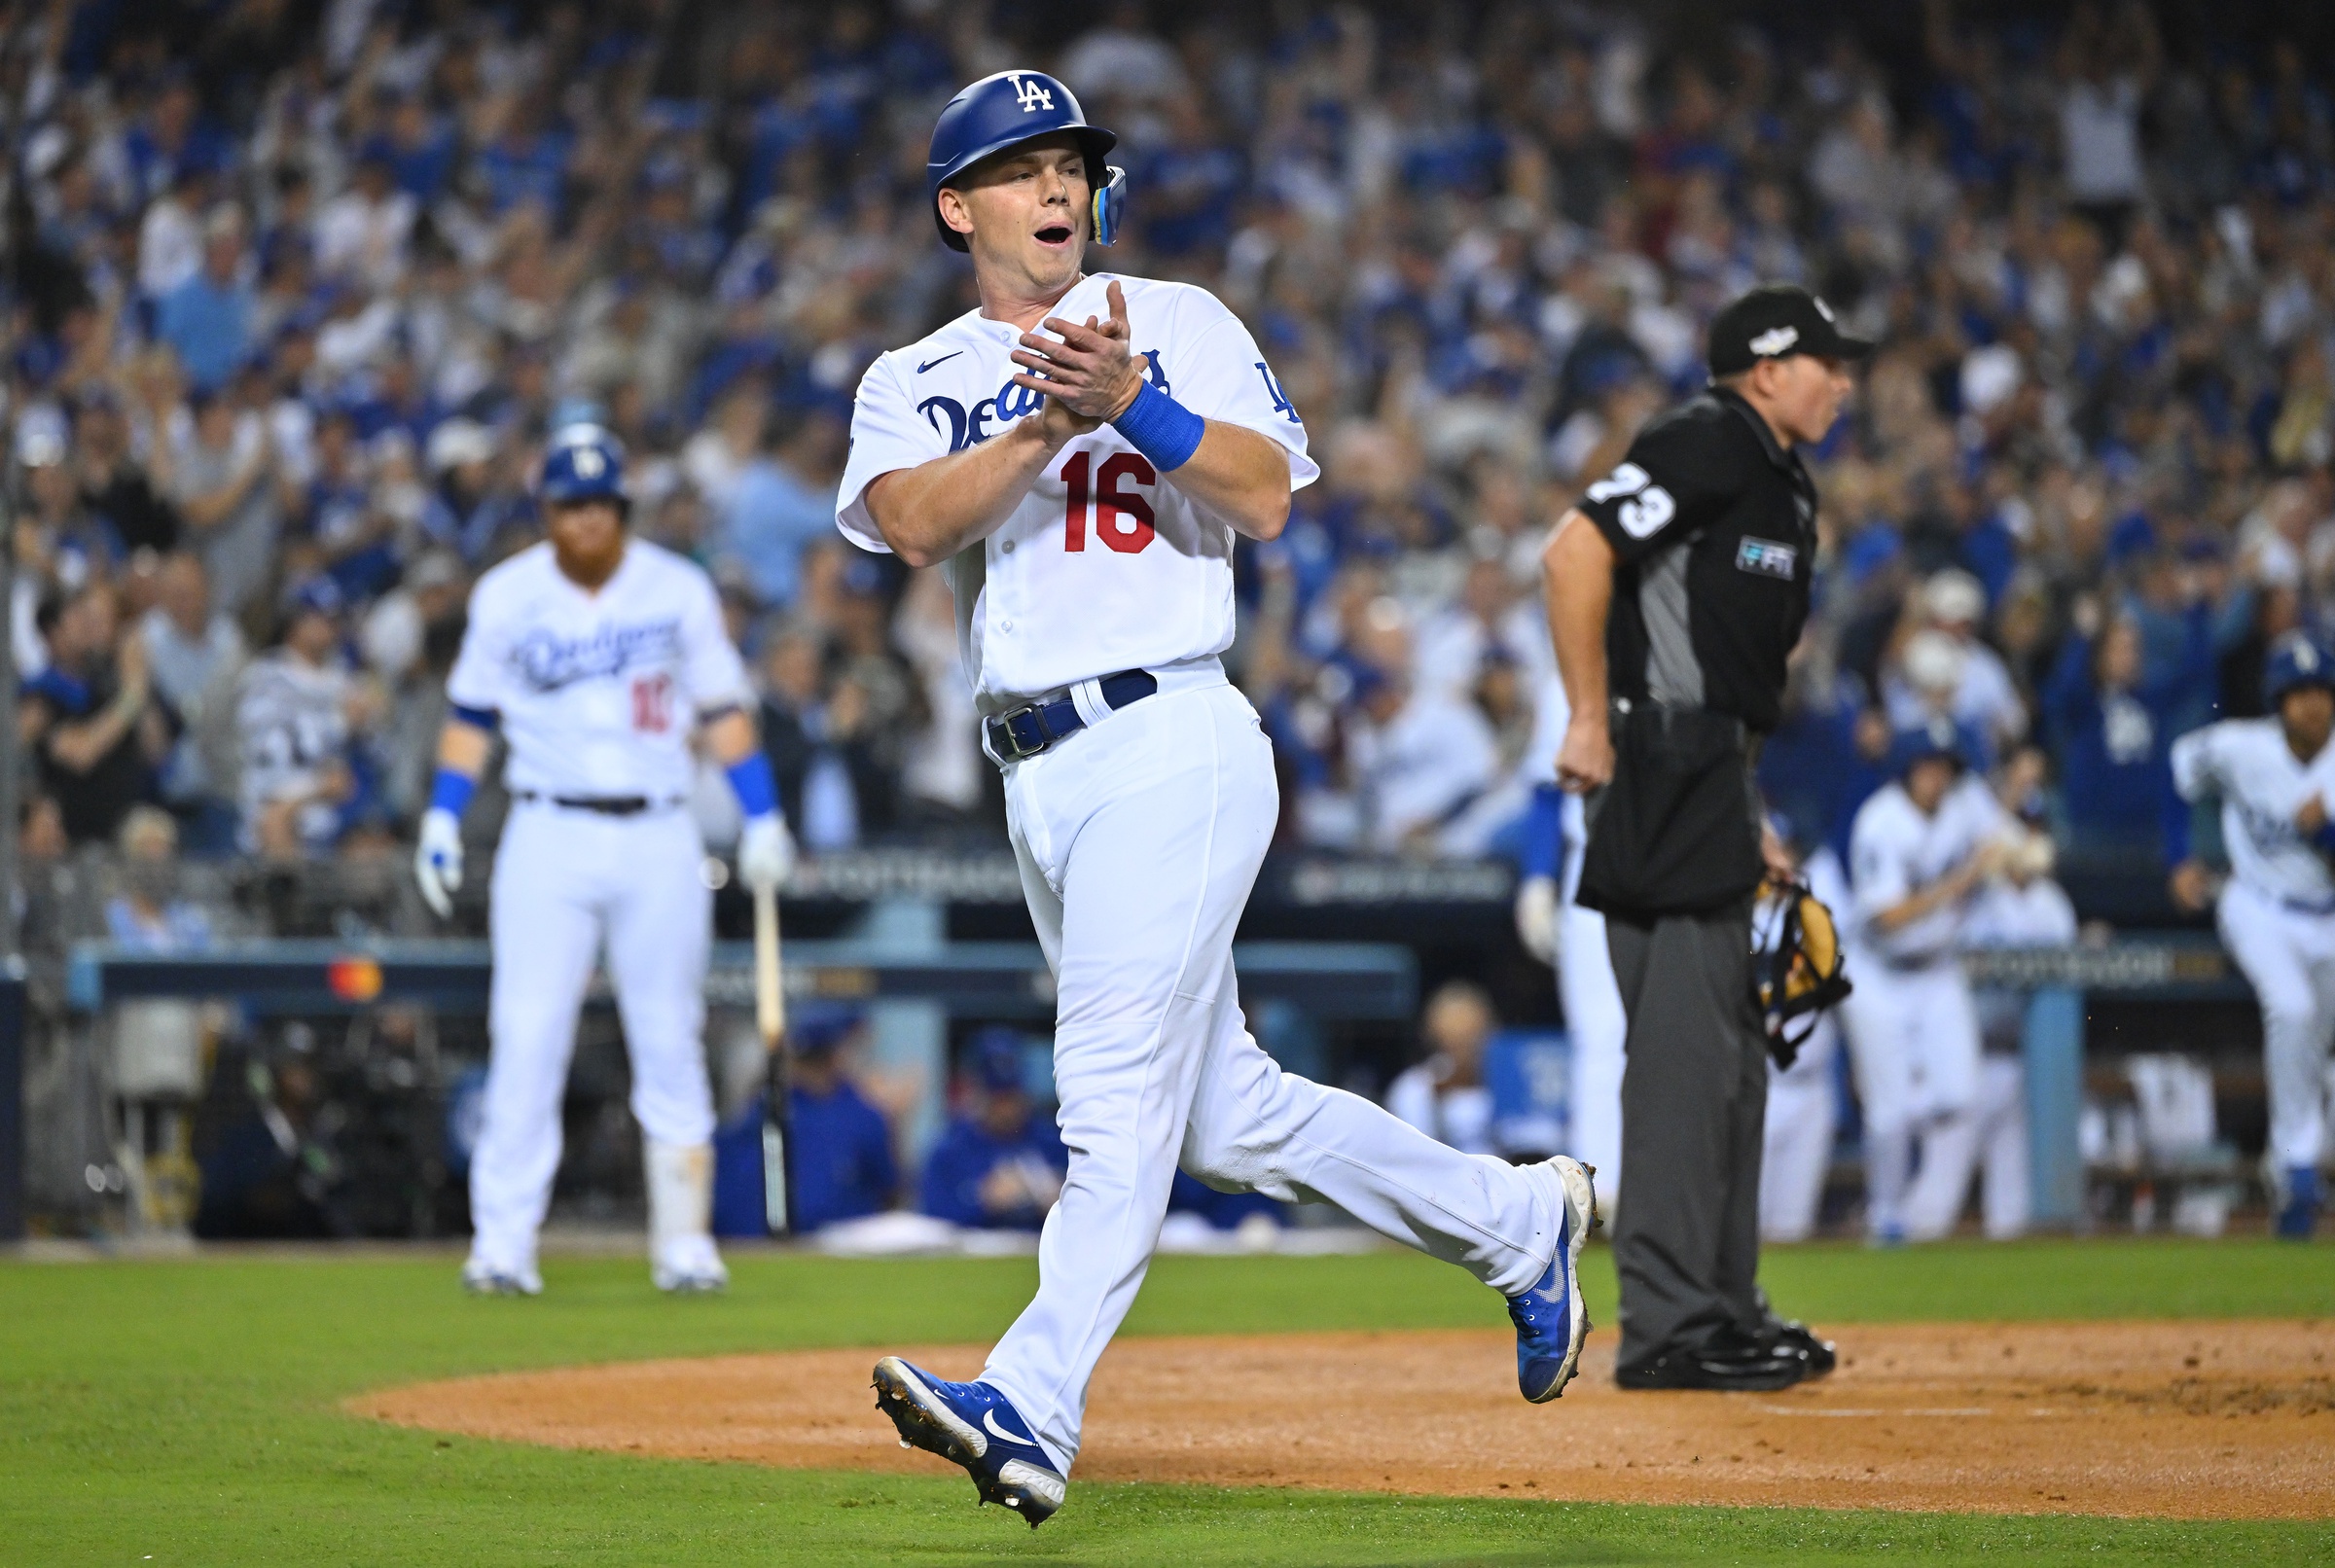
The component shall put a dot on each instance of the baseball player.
(1802, 1109)
(2275, 777)
(1081, 452)
(1558, 931)
(598, 656)
(1919, 852)
(2022, 908)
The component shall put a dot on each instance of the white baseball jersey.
(2261, 784)
(1895, 851)
(598, 692)
(1105, 565)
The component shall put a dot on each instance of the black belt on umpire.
(1035, 726)
(606, 805)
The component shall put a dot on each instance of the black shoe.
(1785, 1333)
(1729, 1360)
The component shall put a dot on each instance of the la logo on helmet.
(1030, 95)
(590, 464)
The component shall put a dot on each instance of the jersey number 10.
(1121, 517)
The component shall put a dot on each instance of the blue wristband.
(1161, 428)
(452, 790)
(751, 780)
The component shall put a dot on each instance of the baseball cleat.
(689, 1267)
(973, 1425)
(1550, 1319)
(486, 1279)
(2298, 1212)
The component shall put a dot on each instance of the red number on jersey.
(1074, 512)
(653, 703)
(1112, 504)
(1121, 517)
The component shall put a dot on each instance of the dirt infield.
(2186, 1420)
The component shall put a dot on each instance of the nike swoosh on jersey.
(989, 1422)
(930, 363)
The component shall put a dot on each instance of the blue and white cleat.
(483, 1278)
(973, 1425)
(1550, 1319)
(2298, 1206)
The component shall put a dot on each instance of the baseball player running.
(1558, 931)
(596, 655)
(2275, 777)
(1079, 452)
(1918, 854)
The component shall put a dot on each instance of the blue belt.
(2308, 905)
(1026, 730)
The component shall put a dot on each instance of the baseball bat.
(769, 1019)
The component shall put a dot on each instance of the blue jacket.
(842, 1158)
(2114, 748)
(964, 1158)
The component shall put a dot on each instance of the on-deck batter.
(2275, 777)
(598, 656)
(1079, 452)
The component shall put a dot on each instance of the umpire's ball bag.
(1677, 830)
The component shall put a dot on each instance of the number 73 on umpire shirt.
(1104, 565)
(1712, 525)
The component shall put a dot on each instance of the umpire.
(1675, 591)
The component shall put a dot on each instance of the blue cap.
(994, 1059)
(2295, 660)
(1003, 111)
(821, 1026)
(584, 463)
(316, 595)
(1940, 737)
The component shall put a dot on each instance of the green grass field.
(185, 1412)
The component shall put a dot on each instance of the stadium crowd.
(294, 290)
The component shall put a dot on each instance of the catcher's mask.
(1796, 964)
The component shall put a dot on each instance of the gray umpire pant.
(1694, 1106)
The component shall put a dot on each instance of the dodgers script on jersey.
(2249, 764)
(1104, 565)
(598, 691)
(1895, 852)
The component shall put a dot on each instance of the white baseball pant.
(1802, 1116)
(2288, 957)
(565, 883)
(1595, 1028)
(1138, 841)
(1913, 1038)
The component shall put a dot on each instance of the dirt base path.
(2187, 1420)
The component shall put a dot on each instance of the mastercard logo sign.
(353, 979)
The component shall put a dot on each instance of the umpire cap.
(1774, 321)
(584, 463)
(2295, 660)
(1002, 112)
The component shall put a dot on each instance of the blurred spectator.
(148, 913)
(1420, 759)
(194, 654)
(2114, 738)
(90, 717)
(223, 470)
(1443, 1096)
(781, 503)
(842, 1152)
(999, 1165)
(113, 483)
(299, 711)
(207, 320)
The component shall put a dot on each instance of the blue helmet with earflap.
(582, 463)
(2295, 660)
(1002, 112)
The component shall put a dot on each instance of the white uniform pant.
(1138, 841)
(2006, 1186)
(1595, 1026)
(2288, 956)
(565, 884)
(1802, 1113)
(1913, 1038)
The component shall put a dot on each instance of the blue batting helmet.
(582, 463)
(2295, 660)
(1939, 737)
(1002, 112)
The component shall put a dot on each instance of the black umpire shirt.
(1713, 530)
